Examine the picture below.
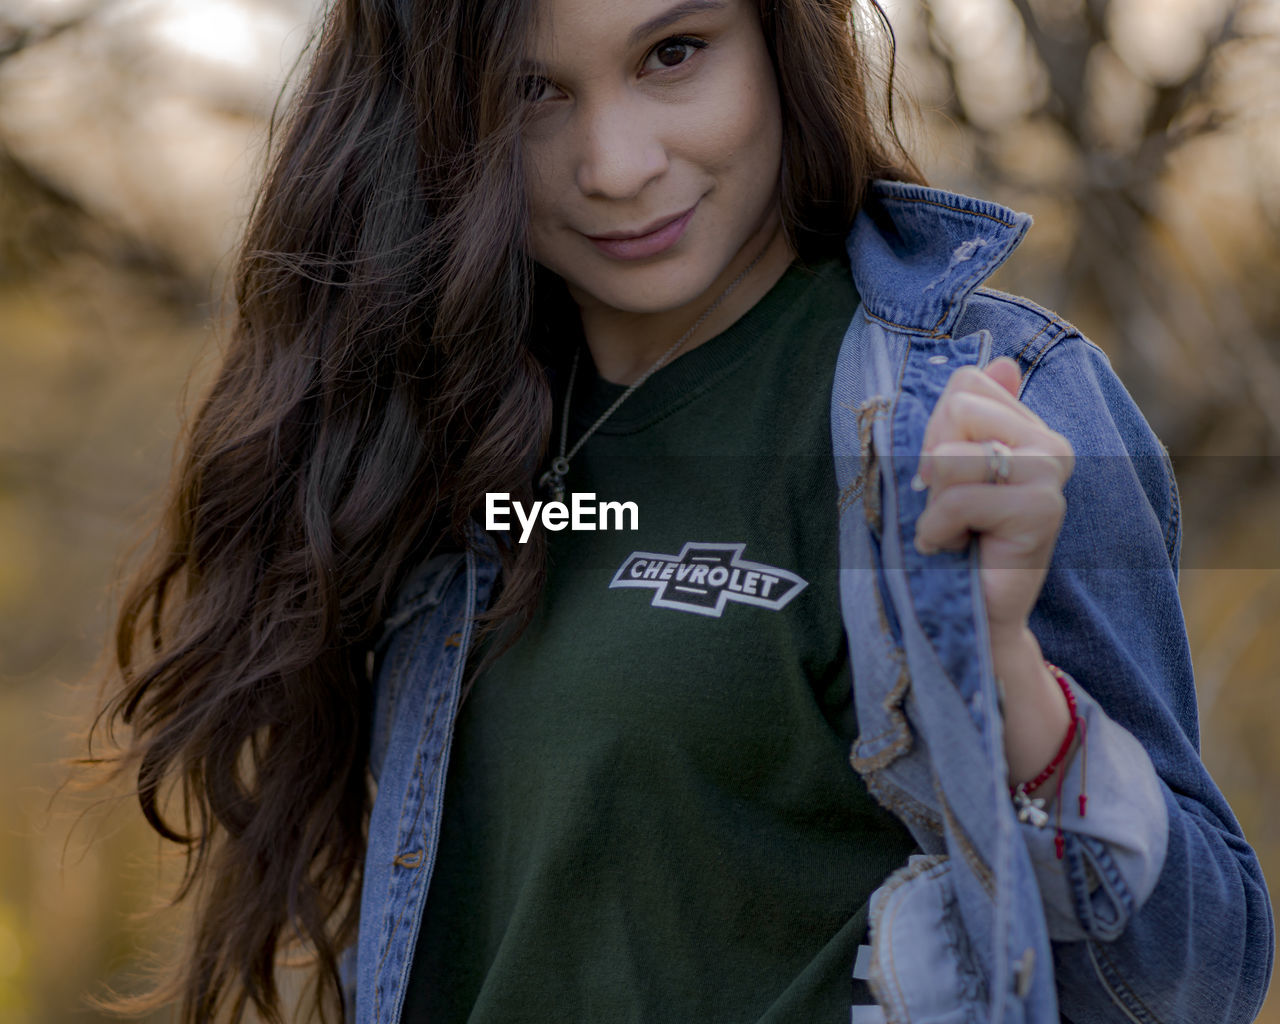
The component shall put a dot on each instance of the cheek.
(540, 192)
(741, 129)
(536, 190)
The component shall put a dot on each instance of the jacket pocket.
(922, 968)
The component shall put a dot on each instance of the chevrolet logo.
(702, 578)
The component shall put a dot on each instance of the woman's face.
(647, 112)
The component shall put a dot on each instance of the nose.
(619, 153)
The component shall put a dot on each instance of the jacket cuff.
(1114, 854)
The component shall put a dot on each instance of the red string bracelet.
(1032, 810)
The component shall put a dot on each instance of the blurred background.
(1143, 135)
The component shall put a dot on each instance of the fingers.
(969, 462)
(1018, 517)
(1005, 372)
(970, 392)
(975, 407)
(1024, 518)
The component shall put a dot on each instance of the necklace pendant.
(552, 481)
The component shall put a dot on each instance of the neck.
(625, 345)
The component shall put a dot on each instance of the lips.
(657, 238)
(627, 235)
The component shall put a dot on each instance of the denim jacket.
(1158, 911)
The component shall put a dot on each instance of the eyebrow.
(641, 32)
(680, 10)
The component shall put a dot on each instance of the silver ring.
(998, 465)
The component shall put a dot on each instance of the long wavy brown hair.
(388, 365)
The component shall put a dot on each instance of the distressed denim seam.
(901, 803)
(970, 852)
(957, 940)
(865, 414)
(898, 728)
(962, 288)
(896, 1013)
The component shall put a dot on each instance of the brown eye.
(673, 52)
(534, 88)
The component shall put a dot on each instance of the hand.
(1017, 522)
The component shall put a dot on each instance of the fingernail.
(918, 484)
(925, 549)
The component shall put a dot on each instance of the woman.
(661, 253)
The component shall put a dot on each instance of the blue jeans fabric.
(1158, 912)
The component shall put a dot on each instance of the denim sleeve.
(1179, 934)
(1115, 851)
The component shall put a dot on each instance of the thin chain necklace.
(552, 481)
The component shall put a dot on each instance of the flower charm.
(1030, 810)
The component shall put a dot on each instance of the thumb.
(1004, 371)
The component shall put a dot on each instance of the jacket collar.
(917, 253)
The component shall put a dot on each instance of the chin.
(655, 287)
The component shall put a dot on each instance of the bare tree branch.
(1066, 61)
(1173, 99)
(15, 38)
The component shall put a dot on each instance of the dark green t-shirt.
(650, 813)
